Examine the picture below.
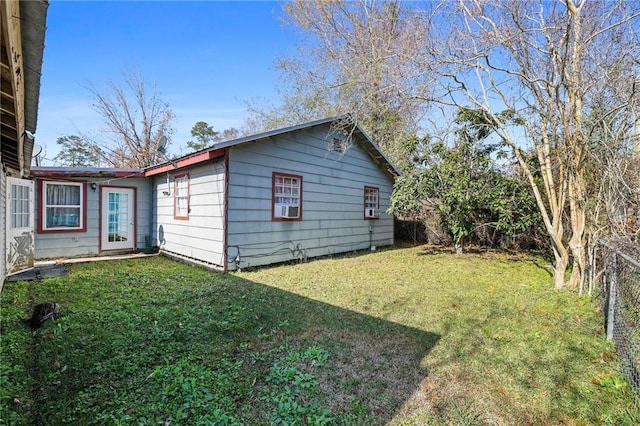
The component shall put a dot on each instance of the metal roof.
(98, 172)
(361, 137)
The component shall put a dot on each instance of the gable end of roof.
(218, 150)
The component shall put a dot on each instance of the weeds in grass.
(613, 383)
(293, 387)
(188, 390)
(396, 336)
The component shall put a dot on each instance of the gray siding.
(3, 225)
(77, 244)
(201, 237)
(332, 199)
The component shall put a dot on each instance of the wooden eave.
(22, 25)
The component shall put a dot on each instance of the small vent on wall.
(338, 145)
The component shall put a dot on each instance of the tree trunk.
(576, 143)
(560, 268)
(551, 212)
(577, 209)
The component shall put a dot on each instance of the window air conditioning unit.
(287, 211)
(370, 212)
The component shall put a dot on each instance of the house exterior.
(303, 191)
(292, 193)
(22, 26)
(90, 211)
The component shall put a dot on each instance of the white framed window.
(19, 209)
(287, 197)
(62, 206)
(371, 202)
(181, 197)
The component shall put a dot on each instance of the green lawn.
(405, 337)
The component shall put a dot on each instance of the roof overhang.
(23, 25)
(84, 172)
(188, 160)
(219, 149)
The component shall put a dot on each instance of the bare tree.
(549, 62)
(355, 57)
(135, 120)
(614, 178)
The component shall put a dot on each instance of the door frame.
(26, 236)
(104, 189)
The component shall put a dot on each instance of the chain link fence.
(620, 301)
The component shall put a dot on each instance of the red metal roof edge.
(85, 172)
(184, 162)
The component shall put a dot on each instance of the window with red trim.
(62, 206)
(287, 197)
(181, 197)
(371, 202)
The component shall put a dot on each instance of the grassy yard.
(403, 337)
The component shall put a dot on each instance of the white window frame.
(287, 194)
(44, 207)
(181, 197)
(371, 201)
(20, 207)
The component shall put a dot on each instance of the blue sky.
(205, 59)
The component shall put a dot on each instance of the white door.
(118, 219)
(19, 224)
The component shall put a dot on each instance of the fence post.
(611, 309)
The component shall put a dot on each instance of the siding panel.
(201, 237)
(3, 224)
(332, 200)
(76, 244)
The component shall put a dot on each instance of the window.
(19, 209)
(62, 206)
(181, 197)
(338, 145)
(287, 197)
(371, 203)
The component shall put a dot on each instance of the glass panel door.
(118, 227)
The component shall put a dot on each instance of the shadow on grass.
(539, 369)
(509, 254)
(541, 263)
(374, 365)
(429, 250)
(155, 341)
